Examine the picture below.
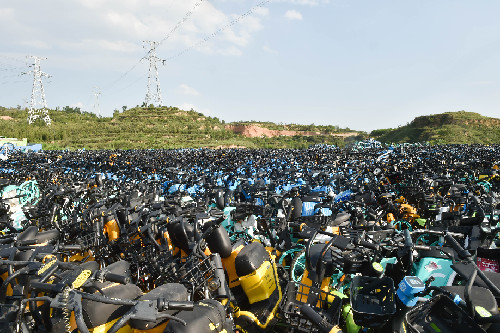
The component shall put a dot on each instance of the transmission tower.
(97, 109)
(153, 95)
(38, 104)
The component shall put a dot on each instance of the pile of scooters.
(361, 239)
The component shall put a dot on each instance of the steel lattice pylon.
(97, 109)
(38, 104)
(153, 95)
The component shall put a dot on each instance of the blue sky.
(361, 64)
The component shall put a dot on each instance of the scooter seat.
(28, 234)
(339, 219)
(465, 271)
(47, 236)
(97, 313)
(32, 233)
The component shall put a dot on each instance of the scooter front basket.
(440, 314)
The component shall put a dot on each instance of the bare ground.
(252, 131)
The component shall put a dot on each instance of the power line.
(181, 22)
(170, 33)
(221, 29)
(125, 87)
(12, 82)
(8, 71)
(19, 59)
(153, 68)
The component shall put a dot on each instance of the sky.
(360, 64)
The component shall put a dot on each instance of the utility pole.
(38, 104)
(153, 95)
(97, 109)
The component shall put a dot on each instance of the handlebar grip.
(26, 242)
(462, 253)
(117, 278)
(46, 287)
(407, 235)
(219, 220)
(164, 305)
(368, 245)
(144, 228)
(323, 325)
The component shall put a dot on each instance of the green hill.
(170, 127)
(448, 127)
(143, 128)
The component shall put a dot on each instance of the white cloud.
(37, 44)
(117, 25)
(262, 11)
(6, 13)
(231, 51)
(268, 49)
(481, 83)
(102, 44)
(293, 15)
(127, 21)
(187, 90)
(306, 2)
(189, 106)
(118, 45)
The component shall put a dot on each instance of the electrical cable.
(221, 29)
(172, 31)
(196, 45)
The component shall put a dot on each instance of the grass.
(139, 128)
(170, 127)
(446, 128)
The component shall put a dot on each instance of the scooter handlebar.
(323, 325)
(407, 236)
(462, 253)
(164, 305)
(117, 278)
(46, 287)
(368, 245)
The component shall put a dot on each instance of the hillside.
(448, 127)
(266, 129)
(170, 127)
(143, 128)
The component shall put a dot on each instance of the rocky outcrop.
(252, 131)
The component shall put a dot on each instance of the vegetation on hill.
(170, 127)
(139, 128)
(449, 127)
